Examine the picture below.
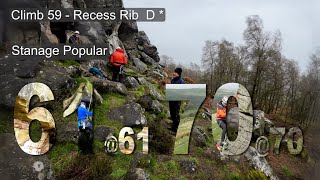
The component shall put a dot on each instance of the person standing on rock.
(118, 60)
(174, 106)
(74, 39)
(221, 115)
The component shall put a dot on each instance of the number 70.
(195, 94)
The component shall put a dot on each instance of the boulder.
(259, 123)
(156, 57)
(10, 87)
(66, 4)
(56, 78)
(140, 160)
(20, 67)
(259, 163)
(46, 35)
(156, 75)
(155, 94)
(97, 97)
(146, 102)
(262, 125)
(130, 44)
(20, 33)
(140, 65)
(150, 105)
(129, 41)
(73, 71)
(16, 164)
(134, 53)
(157, 107)
(142, 38)
(150, 49)
(131, 82)
(104, 85)
(92, 30)
(14, 74)
(137, 174)
(130, 72)
(147, 59)
(102, 132)
(129, 115)
(104, 3)
(99, 63)
(199, 136)
(141, 48)
(127, 28)
(188, 165)
(67, 132)
(143, 81)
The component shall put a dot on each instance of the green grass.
(165, 170)
(6, 126)
(80, 80)
(67, 63)
(216, 131)
(35, 131)
(199, 151)
(110, 101)
(131, 72)
(62, 155)
(234, 176)
(256, 174)
(287, 172)
(98, 146)
(183, 136)
(139, 92)
(120, 165)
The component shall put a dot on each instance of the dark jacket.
(177, 80)
(74, 40)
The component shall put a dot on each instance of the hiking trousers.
(85, 140)
(223, 126)
(115, 74)
(174, 107)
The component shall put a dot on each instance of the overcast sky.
(190, 23)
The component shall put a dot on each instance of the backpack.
(96, 71)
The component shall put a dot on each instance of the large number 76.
(195, 95)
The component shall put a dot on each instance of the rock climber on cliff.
(118, 60)
(221, 115)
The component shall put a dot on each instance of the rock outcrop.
(129, 115)
(137, 174)
(16, 164)
(259, 163)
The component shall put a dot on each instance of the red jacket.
(118, 58)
